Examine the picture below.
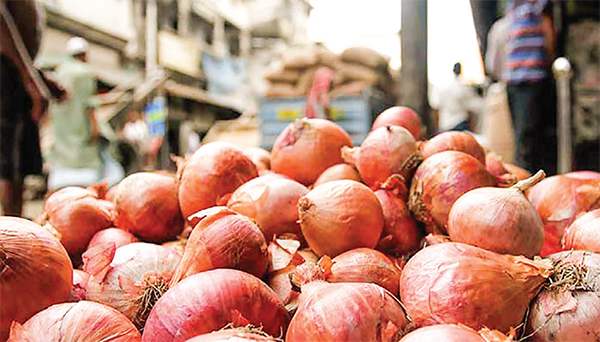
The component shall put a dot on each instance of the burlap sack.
(299, 58)
(350, 88)
(348, 72)
(305, 80)
(281, 90)
(364, 56)
(497, 126)
(283, 75)
(328, 58)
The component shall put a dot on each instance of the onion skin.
(338, 172)
(260, 157)
(384, 152)
(307, 147)
(234, 335)
(439, 181)
(208, 301)
(454, 333)
(214, 171)
(568, 315)
(498, 219)
(495, 166)
(346, 312)
(338, 216)
(36, 271)
(272, 204)
(80, 284)
(558, 200)
(118, 236)
(453, 141)
(451, 283)
(82, 322)
(584, 233)
(517, 171)
(223, 239)
(400, 116)
(77, 214)
(147, 205)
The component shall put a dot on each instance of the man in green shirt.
(75, 156)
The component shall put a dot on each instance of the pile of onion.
(147, 205)
(208, 301)
(77, 214)
(260, 157)
(346, 312)
(130, 278)
(211, 174)
(235, 335)
(400, 116)
(455, 333)
(568, 307)
(453, 141)
(501, 220)
(82, 321)
(80, 284)
(223, 239)
(272, 203)
(338, 172)
(439, 181)
(457, 283)
(36, 271)
(400, 235)
(117, 236)
(584, 233)
(341, 215)
(307, 147)
(385, 151)
(559, 200)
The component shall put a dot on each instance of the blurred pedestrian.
(496, 49)
(531, 94)
(318, 99)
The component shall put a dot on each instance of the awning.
(225, 110)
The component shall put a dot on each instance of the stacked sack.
(360, 68)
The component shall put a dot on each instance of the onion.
(584, 233)
(82, 322)
(210, 300)
(36, 271)
(346, 312)
(338, 172)
(118, 236)
(80, 284)
(147, 205)
(400, 116)
(453, 141)
(112, 193)
(77, 214)
(439, 181)
(212, 173)
(307, 147)
(455, 333)
(259, 156)
(223, 239)
(457, 283)
(584, 174)
(558, 200)
(500, 220)
(517, 171)
(495, 166)
(234, 335)
(568, 307)
(385, 151)
(130, 278)
(339, 216)
(271, 204)
(400, 232)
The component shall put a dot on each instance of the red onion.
(339, 216)
(453, 141)
(400, 232)
(495, 166)
(385, 151)
(118, 236)
(400, 116)
(457, 283)
(36, 271)
(558, 200)
(346, 312)
(307, 147)
(260, 157)
(517, 171)
(584, 233)
(500, 220)
(77, 214)
(568, 307)
(213, 172)
(583, 174)
(80, 284)
(82, 322)
(223, 239)
(234, 335)
(210, 300)
(271, 204)
(338, 172)
(131, 278)
(455, 333)
(439, 181)
(147, 205)
(112, 193)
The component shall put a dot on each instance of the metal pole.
(563, 74)
(151, 33)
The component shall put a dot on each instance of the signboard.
(156, 114)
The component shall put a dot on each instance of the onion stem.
(526, 184)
